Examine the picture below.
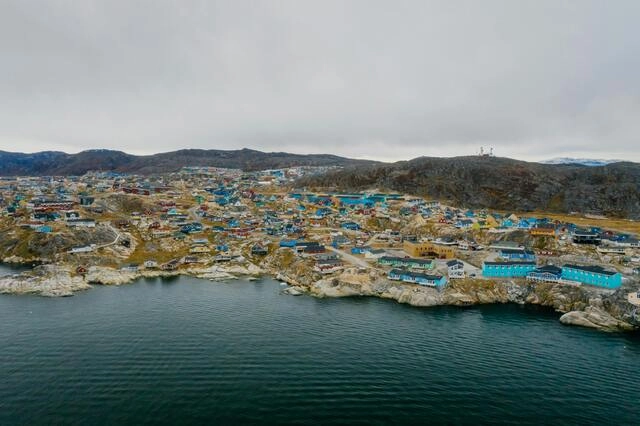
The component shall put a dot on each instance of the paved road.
(114, 241)
(469, 269)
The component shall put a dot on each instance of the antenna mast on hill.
(485, 154)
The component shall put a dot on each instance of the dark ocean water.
(188, 351)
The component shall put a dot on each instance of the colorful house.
(464, 224)
(585, 237)
(517, 254)
(546, 274)
(524, 224)
(359, 250)
(543, 229)
(508, 223)
(351, 226)
(592, 275)
(507, 269)
(288, 243)
(417, 278)
(455, 269)
(191, 228)
(406, 262)
(428, 249)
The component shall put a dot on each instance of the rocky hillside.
(62, 164)
(501, 183)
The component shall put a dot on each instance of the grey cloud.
(377, 79)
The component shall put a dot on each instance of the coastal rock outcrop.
(45, 280)
(594, 317)
(108, 276)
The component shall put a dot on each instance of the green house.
(406, 262)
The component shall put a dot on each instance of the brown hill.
(62, 164)
(501, 183)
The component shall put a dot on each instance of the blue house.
(191, 227)
(507, 269)
(288, 243)
(524, 224)
(464, 223)
(359, 250)
(417, 278)
(517, 254)
(339, 241)
(351, 226)
(508, 223)
(546, 273)
(592, 275)
(322, 212)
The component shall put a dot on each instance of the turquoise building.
(417, 278)
(507, 269)
(592, 275)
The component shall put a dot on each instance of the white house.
(150, 264)
(374, 254)
(455, 269)
(83, 249)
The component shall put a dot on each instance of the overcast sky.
(387, 80)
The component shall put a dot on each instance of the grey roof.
(551, 269)
(515, 251)
(590, 268)
(510, 263)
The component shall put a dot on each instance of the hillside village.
(205, 217)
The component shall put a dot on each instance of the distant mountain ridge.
(473, 181)
(500, 183)
(55, 163)
(582, 161)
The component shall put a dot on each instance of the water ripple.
(191, 352)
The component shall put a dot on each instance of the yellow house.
(491, 221)
(428, 249)
(481, 224)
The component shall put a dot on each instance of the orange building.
(546, 230)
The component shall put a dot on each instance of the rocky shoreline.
(61, 280)
(581, 306)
